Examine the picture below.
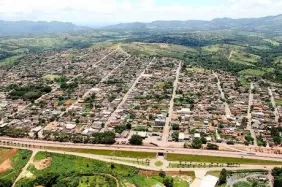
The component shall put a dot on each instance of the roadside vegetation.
(73, 171)
(216, 159)
(15, 161)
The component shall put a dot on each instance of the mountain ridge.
(34, 27)
(262, 23)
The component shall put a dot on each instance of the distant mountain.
(272, 23)
(31, 27)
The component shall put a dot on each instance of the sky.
(117, 11)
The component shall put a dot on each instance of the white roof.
(197, 135)
(142, 134)
(181, 136)
(70, 126)
(209, 181)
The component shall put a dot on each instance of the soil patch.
(149, 173)
(6, 165)
(42, 164)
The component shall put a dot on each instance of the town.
(76, 95)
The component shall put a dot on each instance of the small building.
(181, 137)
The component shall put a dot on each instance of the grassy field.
(9, 60)
(214, 173)
(278, 102)
(252, 72)
(242, 184)
(130, 154)
(87, 181)
(216, 159)
(158, 163)
(3, 151)
(239, 56)
(69, 170)
(18, 161)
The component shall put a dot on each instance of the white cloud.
(128, 11)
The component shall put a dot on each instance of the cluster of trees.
(29, 92)
(277, 174)
(5, 183)
(136, 140)
(107, 137)
(197, 142)
(275, 135)
(167, 181)
(222, 177)
(211, 146)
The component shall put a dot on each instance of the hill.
(31, 27)
(270, 23)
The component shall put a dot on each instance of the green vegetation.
(242, 184)
(73, 171)
(130, 154)
(136, 140)
(9, 60)
(273, 42)
(216, 159)
(28, 92)
(252, 72)
(158, 163)
(18, 161)
(278, 102)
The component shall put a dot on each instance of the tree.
(223, 176)
(204, 140)
(211, 146)
(162, 174)
(168, 182)
(197, 143)
(136, 140)
(5, 183)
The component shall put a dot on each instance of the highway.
(45, 144)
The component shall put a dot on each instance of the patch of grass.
(217, 159)
(252, 72)
(178, 182)
(278, 102)
(9, 60)
(18, 161)
(143, 181)
(245, 58)
(70, 169)
(243, 81)
(159, 163)
(130, 154)
(104, 181)
(242, 184)
(214, 173)
(273, 42)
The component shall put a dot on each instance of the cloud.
(131, 10)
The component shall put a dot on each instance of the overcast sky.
(113, 11)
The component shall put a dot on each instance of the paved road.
(227, 108)
(88, 91)
(127, 94)
(249, 115)
(170, 111)
(40, 143)
(24, 170)
(273, 104)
